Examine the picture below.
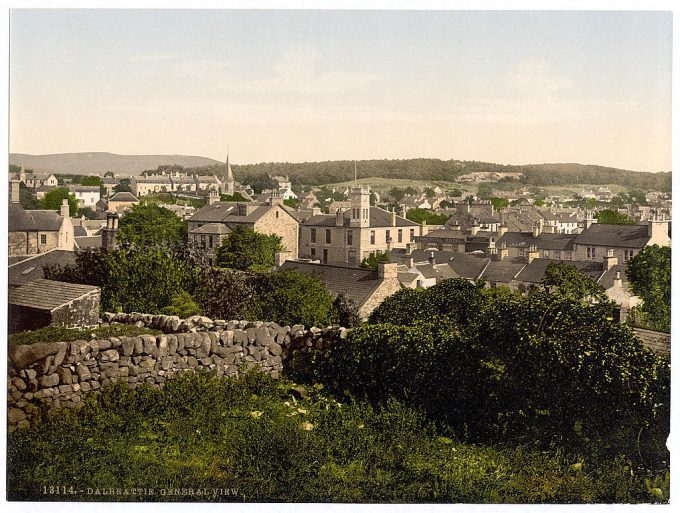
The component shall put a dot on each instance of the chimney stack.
(610, 260)
(213, 197)
(532, 254)
(409, 262)
(474, 228)
(431, 258)
(109, 233)
(394, 217)
(409, 248)
(387, 270)
(339, 217)
(502, 253)
(64, 211)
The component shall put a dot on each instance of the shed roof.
(48, 295)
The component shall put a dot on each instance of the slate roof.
(550, 241)
(607, 279)
(21, 220)
(123, 196)
(614, 235)
(90, 242)
(357, 284)
(377, 218)
(212, 229)
(79, 231)
(534, 272)
(444, 234)
(84, 188)
(151, 179)
(427, 270)
(503, 271)
(31, 268)
(47, 295)
(468, 266)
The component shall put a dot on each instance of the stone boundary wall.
(57, 374)
(657, 341)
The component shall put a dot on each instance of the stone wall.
(57, 374)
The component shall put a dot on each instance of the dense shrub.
(252, 436)
(550, 368)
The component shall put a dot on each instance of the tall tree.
(649, 273)
(54, 199)
(246, 250)
(608, 216)
(144, 225)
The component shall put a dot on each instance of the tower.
(360, 197)
(229, 178)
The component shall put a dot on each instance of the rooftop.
(44, 294)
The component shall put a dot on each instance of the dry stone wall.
(58, 374)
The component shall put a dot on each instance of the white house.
(87, 195)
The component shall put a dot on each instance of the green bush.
(251, 435)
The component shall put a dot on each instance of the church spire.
(229, 175)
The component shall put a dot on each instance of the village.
(365, 245)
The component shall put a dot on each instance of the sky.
(512, 87)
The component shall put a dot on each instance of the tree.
(447, 204)
(182, 305)
(419, 215)
(608, 216)
(262, 182)
(429, 192)
(27, 198)
(123, 186)
(246, 250)
(539, 202)
(499, 203)
(291, 202)
(346, 311)
(54, 199)
(292, 297)
(224, 294)
(237, 196)
(372, 261)
(567, 280)
(649, 273)
(91, 180)
(396, 193)
(87, 212)
(132, 278)
(147, 224)
(410, 191)
(456, 193)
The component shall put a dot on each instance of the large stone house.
(37, 231)
(213, 222)
(87, 195)
(625, 241)
(347, 237)
(145, 185)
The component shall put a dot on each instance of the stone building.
(625, 241)
(347, 237)
(121, 201)
(37, 231)
(145, 185)
(87, 195)
(42, 303)
(367, 288)
(271, 218)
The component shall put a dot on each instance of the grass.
(253, 438)
(62, 334)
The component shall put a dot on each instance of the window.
(325, 256)
(313, 237)
(590, 253)
(349, 237)
(372, 236)
(628, 254)
(313, 252)
(388, 238)
(277, 214)
(328, 236)
(412, 235)
(43, 238)
(399, 236)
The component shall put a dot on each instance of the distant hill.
(101, 162)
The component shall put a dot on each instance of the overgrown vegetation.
(419, 215)
(649, 273)
(62, 334)
(549, 368)
(255, 438)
